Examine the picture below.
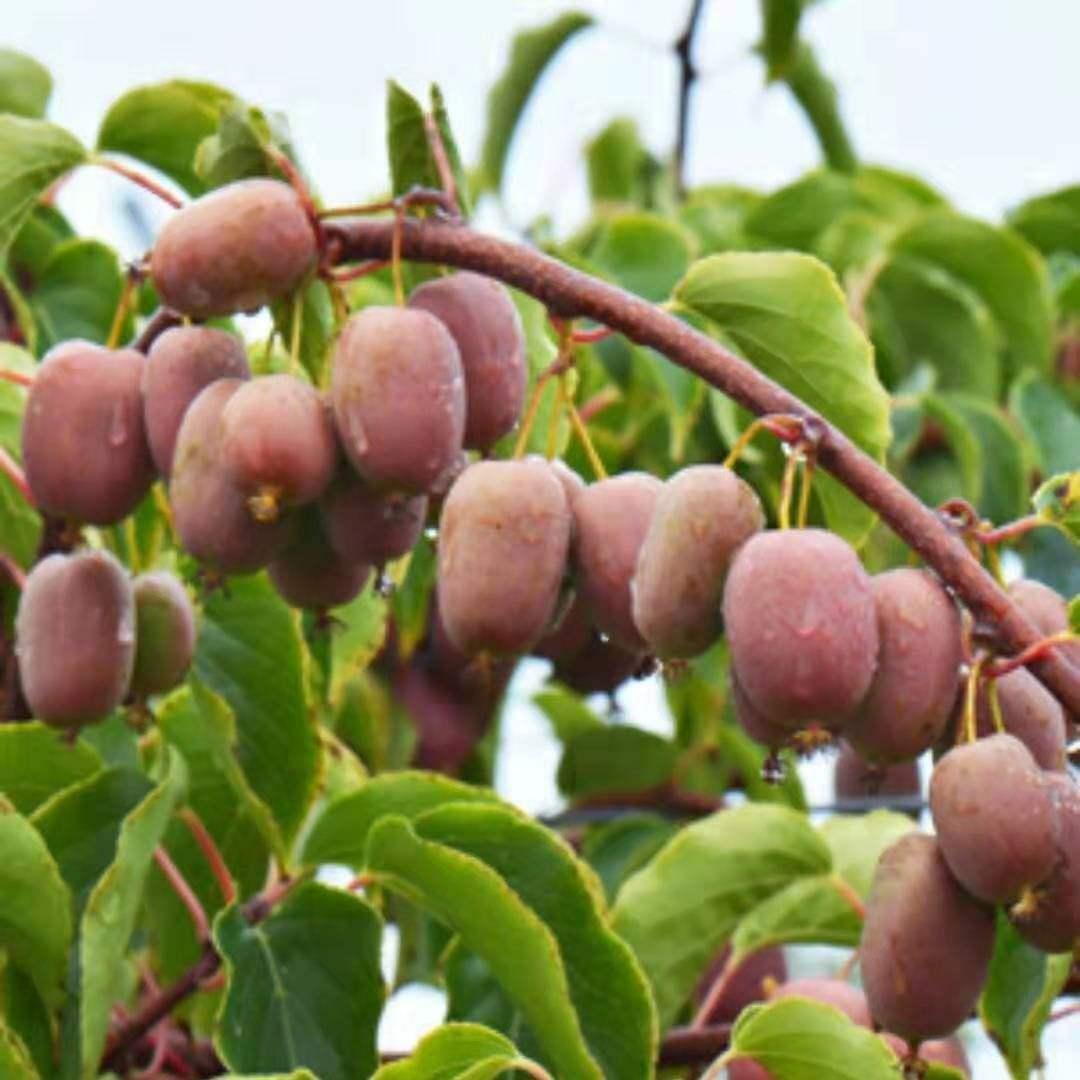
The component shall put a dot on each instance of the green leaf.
(1016, 999)
(316, 328)
(1000, 268)
(809, 910)
(919, 314)
(109, 917)
(606, 760)
(1051, 424)
(679, 910)
(716, 214)
(796, 215)
(1004, 489)
(963, 444)
(357, 637)
(453, 155)
(411, 163)
(81, 825)
(25, 85)
(1057, 500)
(305, 988)
(411, 599)
(780, 34)
(494, 922)
(857, 841)
(15, 1060)
(455, 1052)
(607, 988)
(201, 726)
(33, 154)
(13, 397)
(644, 253)
(78, 293)
(787, 315)
(35, 905)
(341, 834)
(1050, 222)
(570, 716)
(799, 1039)
(530, 54)
(242, 145)
(163, 125)
(29, 1018)
(36, 762)
(251, 652)
(895, 195)
(617, 849)
(615, 159)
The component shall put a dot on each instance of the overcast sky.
(978, 97)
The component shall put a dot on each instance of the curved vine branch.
(570, 294)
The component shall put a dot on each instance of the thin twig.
(688, 73)
(442, 162)
(570, 293)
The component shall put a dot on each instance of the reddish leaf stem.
(16, 574)
(16, 377)
(211, 853)
(139, 178)
(590, 337)
(1034, 652)
(13, 471)
(442, 163)
(1010, 531)
(184, 892)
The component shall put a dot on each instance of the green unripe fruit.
(75, 637)
(180, 364)
(164, 633)
(83, 441)
(234, 249)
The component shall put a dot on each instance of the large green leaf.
(109, 917)
(788, 316)
(316, 328)
(305, 988)
(455, 1052)
(616, 160)
(15, 1060)
(857, 841)
(643, 252)
(36, 762)
(29, 1018)
(200, 725)
(799, 1039)
(617, 849)
(242, 146)
(568, 712)
(81, 825)
(679, 910)
(607, 987)
(35, 905)
(530, 54)
(78, 293)
(25, 85)
(163, 125)
(795, 215)
(1051, 222)
(919, 314)
(1016, 999)
(251, 652)
(494, 922)
(1051, 424)
(41, 233)
(33, 154)
(1000, 268)
(716, 214)
(608, 760)
(411, 163)
(358, 635)
(340, 835)
(453, 154)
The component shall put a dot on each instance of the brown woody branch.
(570, 294)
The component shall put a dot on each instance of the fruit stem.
(784, 426)
(13, 471)
(787, 489)
(563, 360)
(16, 377)
(804, 491)
(598, 403)
(558, 406)
(970, 730)
(582, 432)
(137, 177)
(211, 852)
(184, 893)
(297, 326)
(848, 895)
(995, 706)
(122, 305)
(371, 266)
(1032, 653)
(716, 991)
(1009, 531)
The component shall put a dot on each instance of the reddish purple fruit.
(802, 627)
(758, 726)
(398, 396)
(702, 516)
(916, 915)
(365, 525)
(278, 443)
(180, 363)
(911, 697)
(486, 326)
(582, 659)
(75, 637)
(1047, 610)
(745, 986)
(856, 778)
(948, 1051)
(210, 513)
(1052, 922)
(1030, 713)
(234, 250)
(503, 542)
(308, 573)
(164, 633)
(611, 518)
(994, 817)
(83, 441)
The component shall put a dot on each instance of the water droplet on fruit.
(118, 425)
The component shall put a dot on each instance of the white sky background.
(977, 96)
